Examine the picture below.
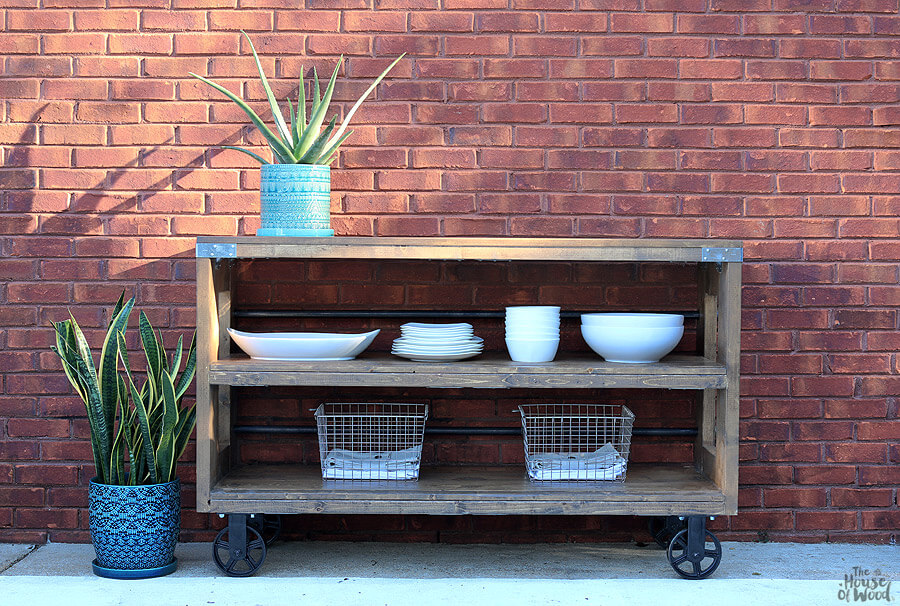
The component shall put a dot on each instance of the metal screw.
(221, 515)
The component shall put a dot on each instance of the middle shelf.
(490, 371)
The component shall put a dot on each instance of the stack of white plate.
(437, 342)
(532, 332)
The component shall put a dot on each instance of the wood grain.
(648, 490)
(487, 371)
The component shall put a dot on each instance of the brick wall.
(772, 121)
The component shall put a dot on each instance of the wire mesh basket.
(576, 441)
(371, 441)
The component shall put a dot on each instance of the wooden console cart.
(676, 493)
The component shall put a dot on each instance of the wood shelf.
(471, 249)
(486, 371)
(648, 490)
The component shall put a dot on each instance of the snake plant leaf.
(138, 399)
(119, 304)
(282, 152)
(151, 347)
(359, 101)
(64, 350)
(315, 150)
(101, 434)
(318, 114)
(190, 367)
(183, 431)
(116, 461)
(176, 355)
(165, 453)
(109, 362)
(273, 104)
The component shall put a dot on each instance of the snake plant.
(301, 141)
(137, 435)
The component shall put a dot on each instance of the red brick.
(794, 497)
(826, 520)
(825, 474)
(861, 497)
(874, 520)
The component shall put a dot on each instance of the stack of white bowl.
(633, 338)
(532, 333)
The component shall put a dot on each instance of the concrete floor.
(425, 574)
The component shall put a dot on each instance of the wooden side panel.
(207, 352)
(708, 324)
(213, 401)
(725, 474)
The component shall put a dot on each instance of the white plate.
(302, 346)
(432, 327)
(441, 341)
(438, 357)
(406, 350)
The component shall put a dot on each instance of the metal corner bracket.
(722, 255)
(211, 250)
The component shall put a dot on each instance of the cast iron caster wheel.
(268, 525)
(694, 566)
(237, 564)
(663, 528)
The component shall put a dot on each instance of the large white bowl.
(302, 346)
(632, 319)
(532, 350)
(632, 344)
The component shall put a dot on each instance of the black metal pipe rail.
(687, 432)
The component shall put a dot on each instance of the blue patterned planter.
(135, 528)
(295, 200)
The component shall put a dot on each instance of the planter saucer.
(139, 573)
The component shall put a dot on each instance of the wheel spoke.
(696, 564)
(679, 560)
(229, 567)
(711, 553)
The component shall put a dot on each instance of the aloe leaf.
(301, 107)
(248, 152)
(282, 152)
(315, 150)
(356, 105)
(190, 366)
(293, 124)
(141, 411)
(273, 104)
(318, 115)
(328, 155)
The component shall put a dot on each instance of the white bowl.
(531, 309)
(532, 333)
(532, 350)
(632, 344)
(302, 346)
(632, 319)
(536, 325)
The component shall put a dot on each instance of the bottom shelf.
(286, 489)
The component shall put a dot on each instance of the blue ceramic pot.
(135, 527)
(295, 200)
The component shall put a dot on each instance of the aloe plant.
(137, 435)
(300, 141)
